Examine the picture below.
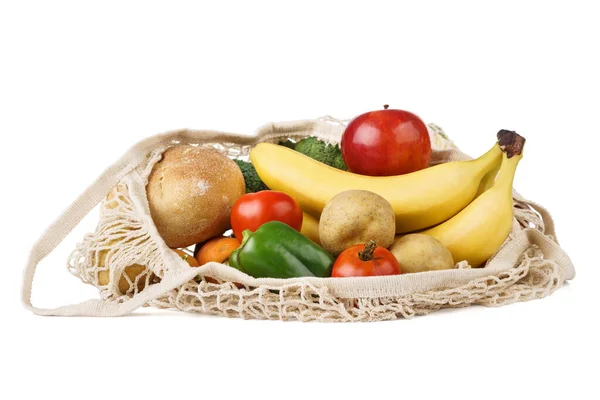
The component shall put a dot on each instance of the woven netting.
(121, 258)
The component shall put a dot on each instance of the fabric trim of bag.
(178, 271)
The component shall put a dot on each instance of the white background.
(80, 82)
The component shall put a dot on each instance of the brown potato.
(354, 217)
(417, 253)
(133, 271)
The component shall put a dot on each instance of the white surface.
(80, 83)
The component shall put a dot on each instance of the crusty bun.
(191, 192)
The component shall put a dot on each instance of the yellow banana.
(478, 231)
(488, 180)
(420, 199)
(310, 228)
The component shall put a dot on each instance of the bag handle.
(551, 250)
(179, 271)
(546, 217)
(70, 218)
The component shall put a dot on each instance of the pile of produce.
(369, 206)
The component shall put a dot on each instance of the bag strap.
(71, 217)
(178, 271)
(551, 250)
(546, 217)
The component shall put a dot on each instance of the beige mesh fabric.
(128, 262)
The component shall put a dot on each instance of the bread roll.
(191, 192)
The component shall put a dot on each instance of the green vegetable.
(277, 250)
(253, 182)
(329, 154)
(288, 143)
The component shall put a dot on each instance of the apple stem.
(386, 106)
(367, 253)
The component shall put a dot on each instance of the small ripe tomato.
(254, 209)
(365, 260)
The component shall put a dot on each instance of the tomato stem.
(367, 253)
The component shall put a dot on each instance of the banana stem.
(512, 145)
(506, 175)
(489, 160)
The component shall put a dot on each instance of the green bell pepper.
(277, 250)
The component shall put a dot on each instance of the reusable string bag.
(127, 251)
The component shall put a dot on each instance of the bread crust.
(191, 192)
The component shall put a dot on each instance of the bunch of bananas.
(466, 205)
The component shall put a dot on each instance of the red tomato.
(386, 142)
(254, 209)
(365, 260)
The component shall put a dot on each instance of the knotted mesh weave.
(121, 258)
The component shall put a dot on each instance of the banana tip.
(510, 142)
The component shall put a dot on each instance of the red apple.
(386, 142)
